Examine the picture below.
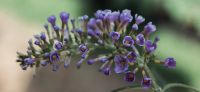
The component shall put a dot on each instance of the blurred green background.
(178, 25)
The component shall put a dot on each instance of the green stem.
(171, 85)
(155, 85)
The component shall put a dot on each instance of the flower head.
(106, 35)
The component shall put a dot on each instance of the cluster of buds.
(129, 50)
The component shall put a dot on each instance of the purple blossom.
(90, 62)
(91, 23)
(140, 40)
(43, 63)
(42, 36)
(37, 42)
(46, 55)
(128, 41)
(103, 59)
(29, 60)
(170, 62)
(58, 45)
(91, 32)
(149, 28)
(129, 76)
(114, 16)
(107, 71)
(52, 20)
(131, 57)
(146, 82)
(139, 19)
(134, 27)
(54, 57)
(149, 46)
(56, 28)
(115, 35)
(84, 17)
(83, 48)
(64, 17)
(125, 16)
(121, 64)
(78, 65)
(103, 15)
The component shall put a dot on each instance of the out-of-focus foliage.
(38, 10)
(185, 50)
(184, 11)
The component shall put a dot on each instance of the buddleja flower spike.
(108, 30)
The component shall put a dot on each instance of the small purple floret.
(131, 57)
(54, 56)
(139, 19)
(146, 82)
(52, 20)
(129, 76)
(37, 42)
(64, 17)
(128, 41)
(90, 62)
(170, 62)
(140, 40)
(107, 71)
(149, 46)
(42, 36)
(58, 45)
(149, 28)
(83, 48)
(134, 27)
(56, 28)
(115, 35)
(43, 63)
(121, 64)
(125, 16)
(29, 60)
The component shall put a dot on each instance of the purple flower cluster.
(107, 30)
